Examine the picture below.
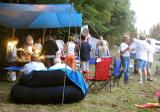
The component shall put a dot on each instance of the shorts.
(149, 64)
(132, 55)
(141, 64)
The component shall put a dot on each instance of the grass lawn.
(121, 99)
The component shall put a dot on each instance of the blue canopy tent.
(39, 16)
(20, 16)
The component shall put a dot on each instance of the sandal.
(150, 79)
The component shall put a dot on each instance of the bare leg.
(149, 73)
(140, 75)
(135, 69)
(145, 74)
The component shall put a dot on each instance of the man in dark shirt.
(85, 54)
(49, 49)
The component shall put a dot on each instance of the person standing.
(133, 51)
(38, 45)
(102, 50)
(60, 44)
(125, 57)
(141, 61)
(85, 49)
(70, 53)
(28, 44)
(150, 60)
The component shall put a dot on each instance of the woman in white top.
(70, 53)
(102, 50)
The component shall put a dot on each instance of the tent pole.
(13, 33)
(43, 37)
(70, 22)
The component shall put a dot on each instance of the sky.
(147, 13)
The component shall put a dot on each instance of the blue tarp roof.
(39, 16)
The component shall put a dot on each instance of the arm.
(65, 47)
(122, 52)
(97, 54)
(90, 47)
(136, 40)
(108, 52)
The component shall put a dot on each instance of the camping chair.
(102, 74)
(116, 72)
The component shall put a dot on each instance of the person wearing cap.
(141, 55)
(33, 65)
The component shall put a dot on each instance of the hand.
(128, 49)
(132, 49)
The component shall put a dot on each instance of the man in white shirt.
(125, 57)
(33, 65)
(141, 61)
(58, 65)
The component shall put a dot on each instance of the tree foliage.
(155, 31)
(110, 18)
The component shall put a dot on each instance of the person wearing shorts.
(141, 61)
(150, 60)
(141, 64)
